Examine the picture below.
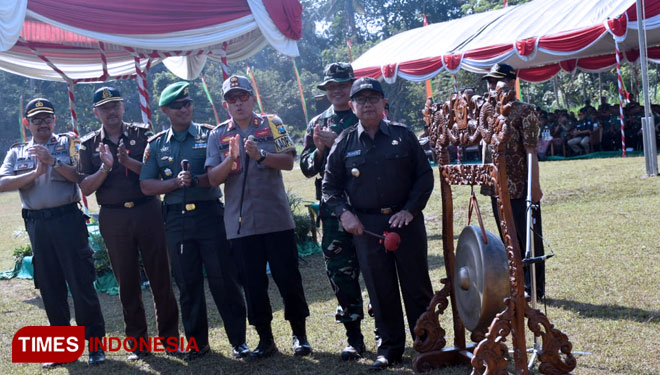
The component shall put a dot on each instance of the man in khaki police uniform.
(192, 213)
(247, 153)
(43, 173)
(130, 222)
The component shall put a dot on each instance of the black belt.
(131, 204)
(378, 211)
(190, 206)
(48, 213)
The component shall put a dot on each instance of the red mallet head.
(392, 241)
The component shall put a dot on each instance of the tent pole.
(600, 87)
(554, 86)
(648, 128)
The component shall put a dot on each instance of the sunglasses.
(40, 121)
(180, 104)
(233, 99)
(364, 99)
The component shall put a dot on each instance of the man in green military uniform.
(130, 222)
(174, 166)
(338, 250)
(44, 174)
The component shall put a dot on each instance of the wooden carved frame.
(464, 121)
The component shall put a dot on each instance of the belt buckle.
(190, 207)
(129, 204)
(386, 211)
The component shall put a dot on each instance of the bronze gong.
(481, 277)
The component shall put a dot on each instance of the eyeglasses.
(364, 99)
(233, 99)
(41, 121)
(180, 104)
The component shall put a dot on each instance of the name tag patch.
(350, 154)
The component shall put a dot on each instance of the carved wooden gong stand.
(465, 121)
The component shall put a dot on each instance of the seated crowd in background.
(564, 133)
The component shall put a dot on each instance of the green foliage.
(22, 251)
(303, 222)
(326, 25)
(101, 257)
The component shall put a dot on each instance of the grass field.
(600, 217)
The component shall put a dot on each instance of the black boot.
(300, 346)
(355, 346)
(266, 346)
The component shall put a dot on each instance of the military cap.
(106, 94)
(366, 83)
(175, 91)
(337, 72)
(38, 105)
(501, 71)
(236, 83)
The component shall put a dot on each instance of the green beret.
(178, 90)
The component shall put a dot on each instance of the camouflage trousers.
(343, 271)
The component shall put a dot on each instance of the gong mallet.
(391, 240)
(185, 166)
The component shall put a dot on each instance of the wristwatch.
(58, 163)
(104, 168)
(262, 152)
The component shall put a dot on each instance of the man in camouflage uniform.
(338, 249)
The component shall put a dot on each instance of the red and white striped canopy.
(95, 40)
(538, 38)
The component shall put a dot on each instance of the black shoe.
(96, 357)
(51, 365)
(351, 353)
(241, 351)
(175, 353)
(265, 349)
(381, 363)
(194, 354)
(301, 346)
(138, 354)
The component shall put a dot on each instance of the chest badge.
(132, 142)
(168, 172)
(395, 142)
(355, 172)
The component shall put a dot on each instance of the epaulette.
(88, 136)
(344, 133)
(224, 123)
(156, 136)
(208, 126)
(18, 144)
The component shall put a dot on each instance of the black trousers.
(61, 256)
(279, 250)
(128, 234)
(205, 247)
(519, 211)
(385, 271)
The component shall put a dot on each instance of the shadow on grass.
(616, 312)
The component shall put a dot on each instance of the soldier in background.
(44, 174)
(130, 222)
(341, 262)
